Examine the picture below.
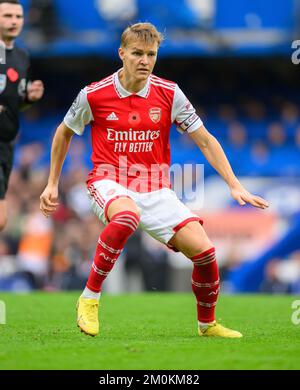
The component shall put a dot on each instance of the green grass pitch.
(147, 331)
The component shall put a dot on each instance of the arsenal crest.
(155, 114)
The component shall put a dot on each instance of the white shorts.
(162, 214)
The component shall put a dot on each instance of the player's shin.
(110, 244)
(205, 285)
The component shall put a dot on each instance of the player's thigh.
(191, 239)
(109, 198)
(121, 204)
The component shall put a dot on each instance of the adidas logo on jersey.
(112, 117)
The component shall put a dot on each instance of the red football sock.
(206, 284)
(110, 244)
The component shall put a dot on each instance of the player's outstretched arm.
(60, 146)
(215, 155)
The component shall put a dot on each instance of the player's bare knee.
(191, 240)
(197, 250)
(122, 204)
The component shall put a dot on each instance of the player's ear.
(121, 53)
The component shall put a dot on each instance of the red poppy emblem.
(12, 74)
(134, 118)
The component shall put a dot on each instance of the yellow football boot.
(218, 330)
(87, 316)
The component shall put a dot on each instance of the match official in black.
(17, 92)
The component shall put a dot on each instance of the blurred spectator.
(272, 284)
(276, 135)
(77, 158)
(283, 275)
(290, 118)
(227, 112)
(237, 135)
(254, 109)
(35, 245)
(297, 137)
(149, 259)
(295, 285)
(260, 157)
(42, 21)
(76, 197)
(290, 113)
(60, 263)
(28, 158)
(8, 268)
(4, 248)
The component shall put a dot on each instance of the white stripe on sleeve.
(79, 114)
(183, 113)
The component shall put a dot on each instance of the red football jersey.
(130, 131)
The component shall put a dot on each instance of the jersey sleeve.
(79, 114)
(183, 113)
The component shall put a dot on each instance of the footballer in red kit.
(131, 113)
(133, 125)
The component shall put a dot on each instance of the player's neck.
(130, 83)
(9, 43)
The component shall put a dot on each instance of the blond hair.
(144, 32)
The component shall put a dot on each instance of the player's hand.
(242, 196)
(35, 90)
(48, 200)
